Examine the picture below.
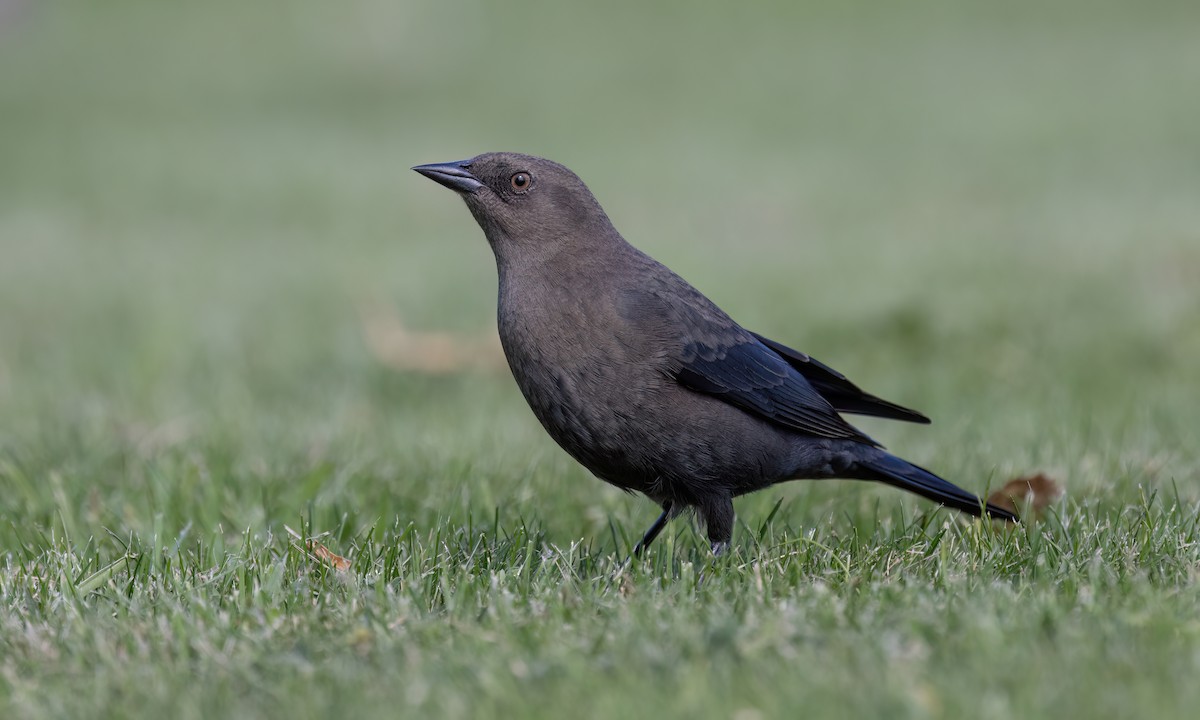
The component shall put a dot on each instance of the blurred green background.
(990, 212)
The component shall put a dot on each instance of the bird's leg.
(717, 512)
(654, 530)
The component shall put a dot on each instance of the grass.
(985, 213)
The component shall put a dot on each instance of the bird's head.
(524, 204)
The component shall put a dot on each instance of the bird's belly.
(590, 415)
(610, 403)
(641, 432)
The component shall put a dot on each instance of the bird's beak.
(453, 175)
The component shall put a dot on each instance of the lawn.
(986, 212)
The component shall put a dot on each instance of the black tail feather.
(906, 476)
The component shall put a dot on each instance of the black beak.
(453, 175)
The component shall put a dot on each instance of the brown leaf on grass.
(337, 562)
(436, 353)
(1031, 492)
(320, 552)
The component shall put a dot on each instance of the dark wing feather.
(746, 374)
(842, 394)
(704, 350)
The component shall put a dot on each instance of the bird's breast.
(565, 352)
(583, 380)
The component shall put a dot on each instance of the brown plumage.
(643, 379)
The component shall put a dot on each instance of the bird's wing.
(704, 350)
(747, 374)
(842, 394)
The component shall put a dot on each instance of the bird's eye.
(520, 181)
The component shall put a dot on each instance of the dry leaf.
(1032, 492)
(320, 552)
(338, 562)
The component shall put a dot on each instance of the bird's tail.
(906, 476)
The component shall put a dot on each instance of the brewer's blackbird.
(646, 382)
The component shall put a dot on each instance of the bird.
(645, 381)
